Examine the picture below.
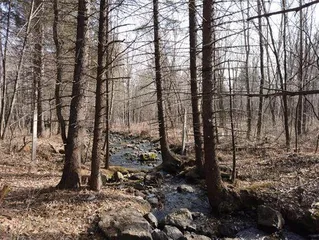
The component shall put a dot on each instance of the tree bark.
(214, 183)
(300, 104)
(262, 74)
(247, 49)
(169, 164)
(59, 71)
(107, 92)
(194, 87)
(18, 73)
(95, 179)
(71, 177)
(4, 70)
(38, 64)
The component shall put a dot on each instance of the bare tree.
(95, 179)
(59, 70)
(214, 182)
(71, 177)
(194, 87)
(169, 162)
(262, 71)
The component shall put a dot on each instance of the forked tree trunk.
(95, 179)
(169, 164)
(194, 87)
(214, 183)
(71, 177)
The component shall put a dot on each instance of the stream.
(126, 152)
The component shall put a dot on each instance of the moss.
(151, 156)
(258, 186)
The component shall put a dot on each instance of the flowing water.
(126, 152)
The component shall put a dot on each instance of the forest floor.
(33, 209)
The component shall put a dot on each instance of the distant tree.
(71, 177)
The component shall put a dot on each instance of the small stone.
(118, 177)
(90, 198)
(269, 218)
(173, 232)
(136, 176)
(185, 189)
(229, 229)
(105, 178)
(159, 235)
(181, 218)
(153, 179)
(151, 219)
(193, 236)
(139, 186)
(153, 200)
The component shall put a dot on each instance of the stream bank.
(173, 197)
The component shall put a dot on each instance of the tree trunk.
(59, 69)
(194, 87)
(18, 73)
(38, 64)
(4, 71)
(232, 125)
(283, 82)
(169, 164)
(107, 97)
(95, 179)
(71, 177)
(214, 183)
(300, 104)
(247, 49)
(262, 74)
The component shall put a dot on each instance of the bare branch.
(296, 9)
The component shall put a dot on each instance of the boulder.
(125, 224)
(159, 235)
(185, 189)
(181, 218)
(173, 232)
(269, 219)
